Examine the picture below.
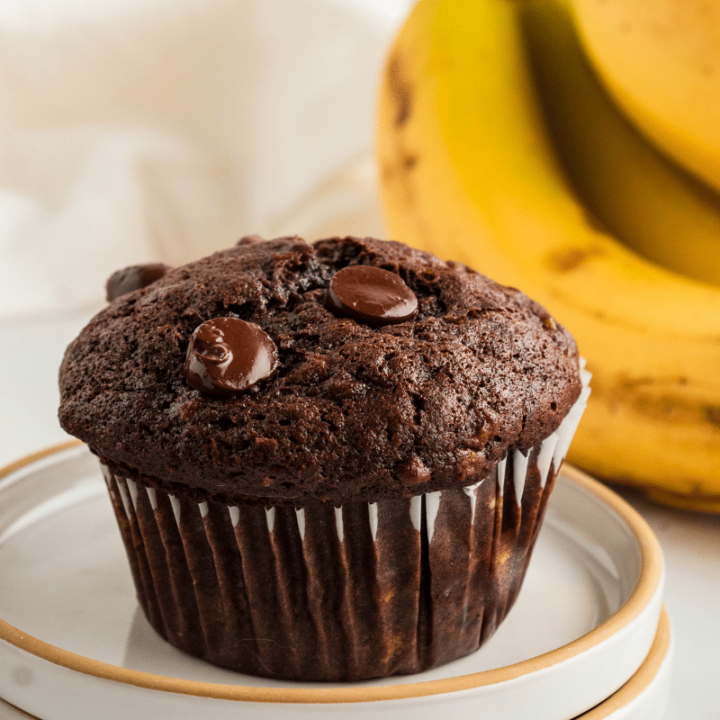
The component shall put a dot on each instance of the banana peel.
(470, 170)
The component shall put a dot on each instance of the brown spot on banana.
(632, 383)
(398, 176)
(712, 414)
(694, 495)
(398, 161)
(409, 161)
(654, 398)
(401, 90)
(569, 259)
(695, 498)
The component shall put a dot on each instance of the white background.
(101, 166)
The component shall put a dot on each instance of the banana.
(661, 59)
(638, 194)
(470, 171)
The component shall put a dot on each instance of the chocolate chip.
(228, 355)
(370, 295)
(133, 278)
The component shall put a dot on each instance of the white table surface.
(30, 353)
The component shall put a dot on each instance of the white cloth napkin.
(139, 130)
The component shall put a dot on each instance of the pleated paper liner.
(339, 593)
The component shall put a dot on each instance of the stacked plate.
(588, 636)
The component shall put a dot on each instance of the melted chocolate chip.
(228, 355)
(133, 278)
(370, 295)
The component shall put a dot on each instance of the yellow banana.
(469, 170)
(638, 194)
(661, 61)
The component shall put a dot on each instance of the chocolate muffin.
(328, 461)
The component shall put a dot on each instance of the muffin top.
(343, 386)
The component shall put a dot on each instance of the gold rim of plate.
(642, 679)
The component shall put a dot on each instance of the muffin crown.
(354, 408)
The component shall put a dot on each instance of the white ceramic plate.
(73, 645)
(643, 697)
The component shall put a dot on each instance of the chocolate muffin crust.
(352, 412)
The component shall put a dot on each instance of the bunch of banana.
(498, 147)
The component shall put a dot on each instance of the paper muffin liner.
(339, 593)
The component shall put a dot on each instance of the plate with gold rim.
(643, 697)
(75, 645)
